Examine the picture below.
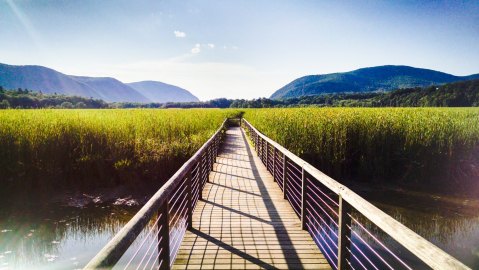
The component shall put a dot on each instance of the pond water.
(57, 237)
(450, 223)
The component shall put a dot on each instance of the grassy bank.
(49, 149)
(430, 147)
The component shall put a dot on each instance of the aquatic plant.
(48, 149)
(436, 147)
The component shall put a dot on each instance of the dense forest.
(458, 94)
(28, 99)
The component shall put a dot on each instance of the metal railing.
(168, 212)
(345, 226)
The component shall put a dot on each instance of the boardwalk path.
(243, 222)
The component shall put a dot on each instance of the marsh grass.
(430, 147)
(50, 149)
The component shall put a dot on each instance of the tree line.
(458, 94)
(28, 99)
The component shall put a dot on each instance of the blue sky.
(237, 49)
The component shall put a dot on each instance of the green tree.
(4, 104)
(80, 105)
(66, 105)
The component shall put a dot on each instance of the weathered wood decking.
(243, 222)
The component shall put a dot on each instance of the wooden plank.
(242, 221)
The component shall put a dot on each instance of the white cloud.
(196, 49)
(211, 45)
(179, 34)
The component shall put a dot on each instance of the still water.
(57, 237)
(450, 223)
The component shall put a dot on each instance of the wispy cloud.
(196, 49)
(211, 45)
(179, 34)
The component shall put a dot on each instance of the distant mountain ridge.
(380, 78)
(171, 93)
(49, 81)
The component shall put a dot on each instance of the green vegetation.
(380, 78)
(431, 147)
(50, 149)
(459, 94)
(27, 99)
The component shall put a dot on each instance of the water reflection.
(456, 232)
(57, 237)
(451, 224)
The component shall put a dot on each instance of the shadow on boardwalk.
(243, 221)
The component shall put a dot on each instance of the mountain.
(42, 79)
(162, 92)
(112, 90)
(49, 81)
(381, 78)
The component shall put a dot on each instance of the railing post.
(285, 164)
(212, 162)
(215, 151)
(259, 145)
(260, 149)
(274, 164)
(255, 139)
(304, 190)
(164, 237)
(263, 150)
(200, 176)
(189, 195)
(217, 146)
(344, 232)
(267, 156)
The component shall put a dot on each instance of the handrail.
(111, 253)
(427, 252)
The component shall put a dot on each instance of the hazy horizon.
(237, 49)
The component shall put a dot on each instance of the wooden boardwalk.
(243, 222)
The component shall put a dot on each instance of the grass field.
(48, 149)
(437, 147)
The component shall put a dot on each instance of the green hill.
(381, 78)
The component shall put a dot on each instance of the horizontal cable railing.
(348, 229)
(166, 216)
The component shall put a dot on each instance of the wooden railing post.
(253, 139)
(164, 237)
(274, 164)
(267, 156)
(215, 148)
(257, 142)
(189, 195)
(212, 162)
(285, 165)
(344, 232)
(200, 176)
(260, 150)
(304, 190)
